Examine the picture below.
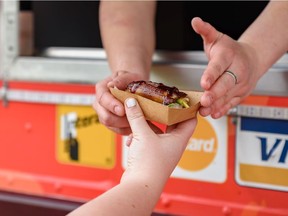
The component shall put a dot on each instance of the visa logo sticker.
(262, 153)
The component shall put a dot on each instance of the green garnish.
(183, 102)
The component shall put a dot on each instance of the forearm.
(128, 34)
(127, 198)
(268, 35)
(137, 193)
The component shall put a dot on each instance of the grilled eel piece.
(158, 92)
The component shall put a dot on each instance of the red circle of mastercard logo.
(201, 148)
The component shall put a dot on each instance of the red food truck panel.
(231, 166)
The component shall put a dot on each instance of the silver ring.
(233, 75)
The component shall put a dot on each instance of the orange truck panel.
(62, 151)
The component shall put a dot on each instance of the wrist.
(156, 178)
(253, 59)
(149, 182)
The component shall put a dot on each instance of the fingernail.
(110, 84)
(217, 115)
(131, 102)
(129, 140)
(117, 110)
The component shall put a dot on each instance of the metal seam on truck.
(50, 97)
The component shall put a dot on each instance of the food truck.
(56, 155)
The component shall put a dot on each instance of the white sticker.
(205, 158)
(261, 153)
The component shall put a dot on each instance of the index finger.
(107, 100)
(122, 78)
(216, 66)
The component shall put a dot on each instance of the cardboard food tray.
(157, 112)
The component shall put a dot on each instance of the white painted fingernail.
(131, 102)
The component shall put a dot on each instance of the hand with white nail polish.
(149, 149)
(110, 110)
(151, 159)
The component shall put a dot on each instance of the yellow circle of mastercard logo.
(201, 148)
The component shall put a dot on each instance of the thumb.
(208, 33)
(135, 117)
(120, 79)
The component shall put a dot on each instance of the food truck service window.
(60, 41)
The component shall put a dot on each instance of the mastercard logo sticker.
(201, 149)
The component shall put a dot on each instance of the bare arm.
(152, 158)
(128, 34)
(128, 198)
(268, 34)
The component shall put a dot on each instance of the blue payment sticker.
(261, 153)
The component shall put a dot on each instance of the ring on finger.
(232, 75)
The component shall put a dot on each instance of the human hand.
(223, 90)
(111, 111)
(150, 154)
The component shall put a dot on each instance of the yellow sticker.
(201, 149)
(205, 157)
(81, 139)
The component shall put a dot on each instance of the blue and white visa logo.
(262, 153)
